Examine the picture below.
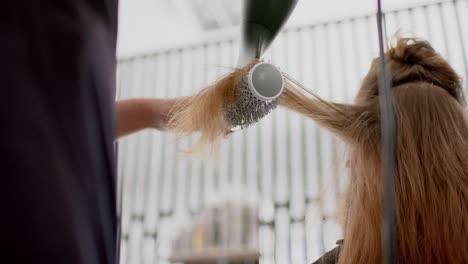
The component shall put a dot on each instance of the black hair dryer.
(262, 20)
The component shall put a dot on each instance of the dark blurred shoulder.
(331, 257)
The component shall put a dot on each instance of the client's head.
(413, 60)
(431, 158)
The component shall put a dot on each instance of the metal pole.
(388, 139)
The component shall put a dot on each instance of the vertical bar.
(329, 146)
(303, 151)
(252, 161)
(280, 147)
(259, 171)
(205, 166)
(171, 168)
(295, 157)
(162, 168)
(202, 178)
(344, 86)
(163, 212)
(397, 14)
(267, 241)
(191, 86)
(134, 218)
(163, 79)
(136, 155)
(288, 138)
(187, 90)
(224, 160)
(461, 39)
(310, 161)
(211, 76)
(388, 139)
(216, 181)
(237, 140)
(145, 169)
(192, 170)
(156, 172)
(444, 29)
(320, 168)
(133, 151)
(151, 192)
(270, 175)
(179, 164)
(281, 171)
(341, 49)
(145, 149)
(120, 178)
(300, 76)
(370, 25)
(411, 17)
(427, 20)
(244, 157)
(207, 170)
(356, 52)
(230, 143)
(283, 240)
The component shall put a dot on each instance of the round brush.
(258, 92)
(256, 96)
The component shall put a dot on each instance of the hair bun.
(414, 60)
(411, 51)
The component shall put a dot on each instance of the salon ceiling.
(208, 14)
(150, 25)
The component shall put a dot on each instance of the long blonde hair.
(431, 153)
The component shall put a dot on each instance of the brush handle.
(262, 21)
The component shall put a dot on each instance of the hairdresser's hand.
(137, 114)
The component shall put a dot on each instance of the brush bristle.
(247, 109)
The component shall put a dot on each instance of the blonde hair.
(204, 112)
(431, 152)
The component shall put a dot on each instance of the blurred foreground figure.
(57, 115)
